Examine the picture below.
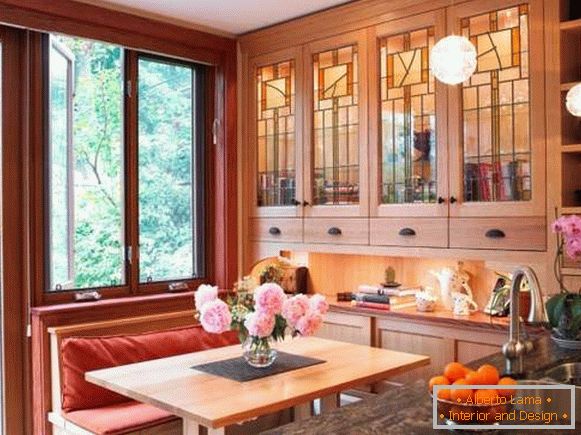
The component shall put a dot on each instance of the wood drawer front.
(337, 231)
(520, 234)
(420, 232)
(276, 230)
(346, 327)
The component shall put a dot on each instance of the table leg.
(303, 411)
(330, 402)
(191, 427)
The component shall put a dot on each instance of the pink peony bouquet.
(267, 312)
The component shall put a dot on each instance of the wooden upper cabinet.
(335, 133)
(496, 118)
(407, 120)
(274, 131)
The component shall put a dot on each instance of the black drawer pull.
(275, 231)
(334, 231)
(407, 232)
(441, 200)
(495, 234)
(295, 202)
(453, 200)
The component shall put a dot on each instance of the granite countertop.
(408, 409)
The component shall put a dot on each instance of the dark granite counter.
(408, 409)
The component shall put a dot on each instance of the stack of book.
(381, 298)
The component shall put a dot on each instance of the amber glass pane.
(497, 144)
(336, 127)
(408, 119)
(275, 91)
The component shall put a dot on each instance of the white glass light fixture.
(573, 100)
(453, 59)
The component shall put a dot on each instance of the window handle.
(215, 126)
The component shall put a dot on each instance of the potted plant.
(564, 308)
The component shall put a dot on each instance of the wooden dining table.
(203, 399)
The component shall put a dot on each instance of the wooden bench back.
(130, 325)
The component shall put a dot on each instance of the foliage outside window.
(89, 135)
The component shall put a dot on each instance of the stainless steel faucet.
(517, 347)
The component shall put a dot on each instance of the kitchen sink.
(565, 373)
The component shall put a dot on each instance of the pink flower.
(268, 299)
(319, 304)
(215, 316)
(573, 249)
(259, 324)
(309, 324)
(294, 308)
(205, 293)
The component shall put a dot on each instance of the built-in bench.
(83, 408)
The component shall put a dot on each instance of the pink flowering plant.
(264, 313)
(564, 308)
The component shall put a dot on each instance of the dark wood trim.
(70, 314)
(13, 263)
(89, 21)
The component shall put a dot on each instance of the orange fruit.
(488, 374)
(461, 395)
(485, 397)
(506, 392)
(444, 394)
(473, 378)
(438, 380)
(454, 371)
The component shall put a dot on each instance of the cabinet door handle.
(453, 199)
(275, 231)
(306, 203)
(441, 200)
(407, 232)
(495, 234)
(295, 202)
(334, 231)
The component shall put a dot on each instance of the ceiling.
(228, 17)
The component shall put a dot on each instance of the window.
(94, 122)
(170, 168)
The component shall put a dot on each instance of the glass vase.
(258, 352)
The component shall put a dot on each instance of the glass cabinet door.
(277, 181)
(337, 166)
(499, 137)
(409, 155)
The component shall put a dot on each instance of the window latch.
(215, 126)
(128, 254)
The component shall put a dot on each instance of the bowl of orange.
(472, 405)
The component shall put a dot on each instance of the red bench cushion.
(120, 418)
(83, 354)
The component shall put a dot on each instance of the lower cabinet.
(350, 328)
(442, 343)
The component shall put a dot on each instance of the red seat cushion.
(83, 354)
(119, 418)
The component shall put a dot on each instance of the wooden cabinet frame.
(437, 19)
(537, 205)
(362, 209)
(294, 54)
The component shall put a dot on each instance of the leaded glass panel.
(275, 92)
(497, 143)
(408, 119)
(336, 127)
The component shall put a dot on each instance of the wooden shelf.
(566, 86)
(571, 148)
(571, 26)
(570, 210)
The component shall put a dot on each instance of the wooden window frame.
(150, 37)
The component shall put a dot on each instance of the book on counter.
(379, 290)
(382, 306)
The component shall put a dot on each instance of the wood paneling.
(350, 328)
(467, 351)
